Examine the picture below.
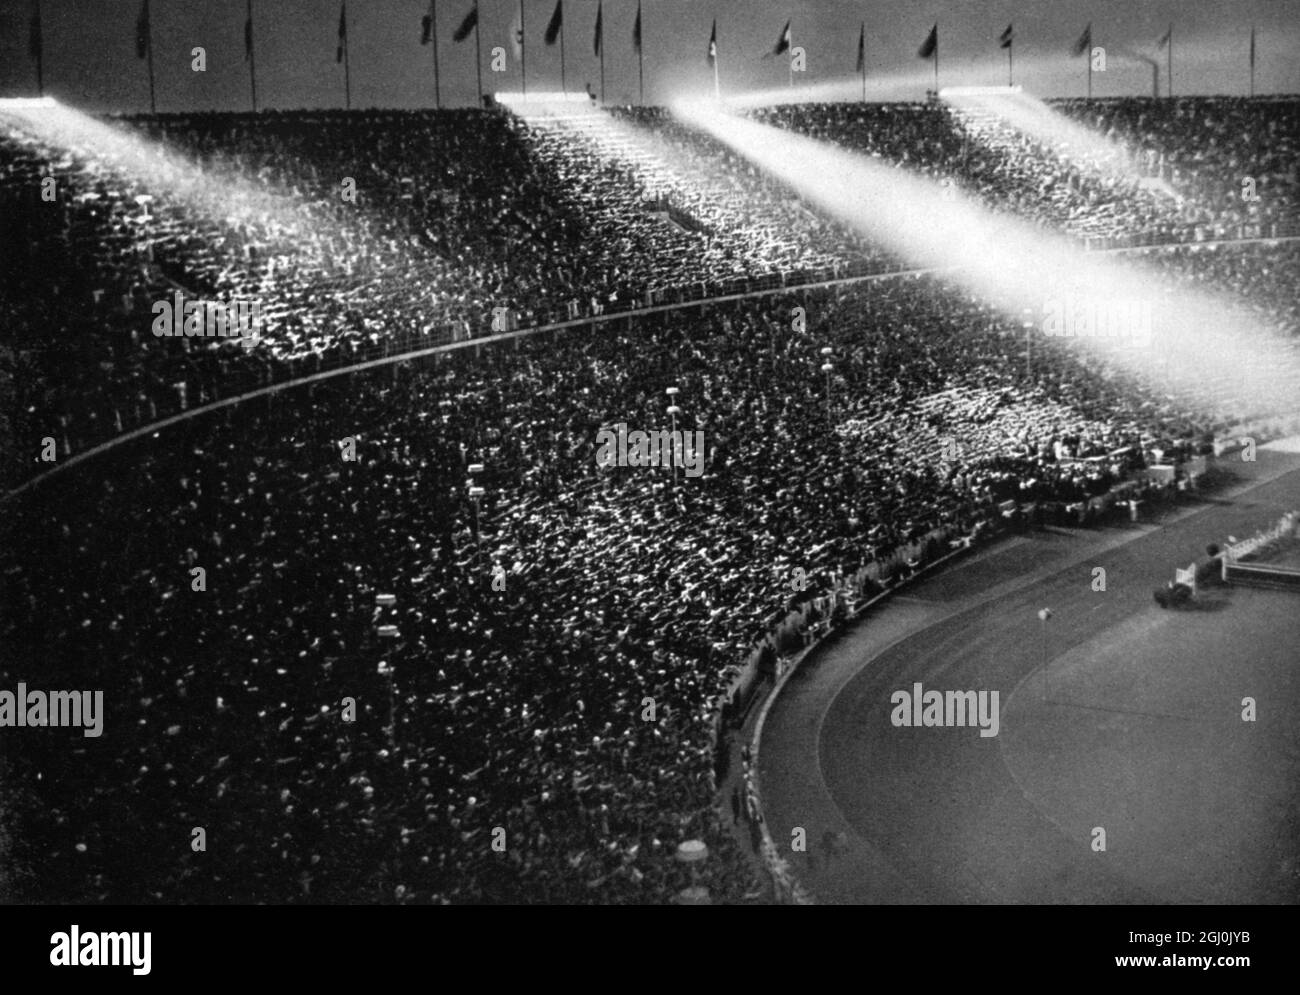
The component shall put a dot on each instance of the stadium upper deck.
(459, 214)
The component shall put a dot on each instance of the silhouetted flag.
(142, 32)
(467, 25)
(343, 32)
(426, 29)
(862, 49)
(557, 22)
(931, 43)
(1084, 43)
(713, 43)
(598, 40)
(636, 28)
(34, 46)
(1252, 45)
(1006, 38)
(783, 42)
(1164, 40)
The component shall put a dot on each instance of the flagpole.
(564, 84)
(717, 86)
(40, 53)
(433, 37)
(252, 57)
(602, 61)
(936, 60)
(1252, 60)
(862, 55)
(523, 51)
(790, 57)
(1010, 48)
(478, 54)
(347, 62)
(640, 52)
(1087, 55)
(433, 30)
(1169, 61)
(153, 104)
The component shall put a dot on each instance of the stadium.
(771, 453)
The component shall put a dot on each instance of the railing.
(1236, 553)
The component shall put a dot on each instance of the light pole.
(673, 412)
(827, 367)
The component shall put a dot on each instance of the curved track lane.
(1115, 715)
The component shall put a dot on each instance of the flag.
(636, 28)
(713, 43)
(783, 42)
(930, 45)
(343, 31)
(142, 32)
(517, 33)
(1164, 40)
(862, 48)
(600, 19)
(466, 26)
(1007, 36)
(426, 29)
(557, 22)
(34, 46)
(1084, 44)
(248, 33)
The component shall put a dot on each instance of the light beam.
(1165, 330)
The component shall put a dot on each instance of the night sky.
(90, 59)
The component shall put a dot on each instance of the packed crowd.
(520, 705)
(537, 674)
(458, 213)
(1203, 148)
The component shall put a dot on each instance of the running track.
(1114, 715)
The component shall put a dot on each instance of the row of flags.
(554, 28)
(1083, 45)
(930, 49)
(555, 31)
